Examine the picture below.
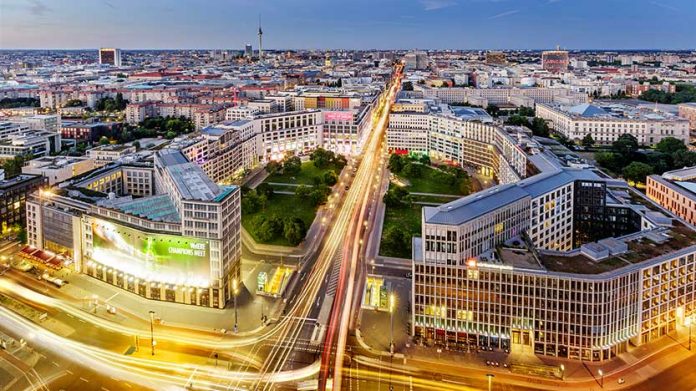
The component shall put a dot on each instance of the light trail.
(342, 307)
(344, 233)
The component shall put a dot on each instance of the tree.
(136, 144)
(683, 158)
(170, 135)
(292, 165)
(424, 159)
(412, 170)
(526, 111)
(396, 163)
(540, 127)
(330, 178)
(268, 228)
(670, 145)
(322, 158)
(273, 167)
(303, 191)
(517, 120)
(588, 141)
(493, 110)
(637, 171)
(396, 238)
(609, 160)
(407, 86)
(319, 195)
(397, 197)
(265, 189)
(104, 140)
(294, 230)
(73, 103)
(13, 167)
(626, 145)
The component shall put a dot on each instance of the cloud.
(504, 14)
(432, 5)
(665, 6)
(38, 8)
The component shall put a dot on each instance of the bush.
(294, 230)
(292, 165)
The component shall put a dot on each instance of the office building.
(555, 61)
(248, 51)
(163, 231)
(110, 56)
(676, 192)
(13, 196)
(538, 266)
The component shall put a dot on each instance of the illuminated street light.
(490, 377)
(562, 372)
(152, 332)
(235, 290)
(391, 321)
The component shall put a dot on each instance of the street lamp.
(391, 322)
(235, 290)
(562, 372)
(152, 331)
(601, 378)
(490, 377)
(688, 322)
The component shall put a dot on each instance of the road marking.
(84, 380)
(114, 295)
(104, 389)
(55, 363)
(69, 371)
(127, 385)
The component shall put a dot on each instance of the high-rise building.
(110, 56)
(555, 61)
(248, 51)
(416, 60)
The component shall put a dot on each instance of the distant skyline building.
(416, 60)
(555, 61)
(248, 51)
(495, 58)
(110, 56)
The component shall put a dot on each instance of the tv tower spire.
(260, 41)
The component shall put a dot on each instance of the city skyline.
(390, 24)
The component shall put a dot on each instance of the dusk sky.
(360, 24)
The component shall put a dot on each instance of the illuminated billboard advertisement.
(152, 257)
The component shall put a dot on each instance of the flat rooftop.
(642, 248)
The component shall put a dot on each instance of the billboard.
(153, 257)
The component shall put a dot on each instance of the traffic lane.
(59, 373)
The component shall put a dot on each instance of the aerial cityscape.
(312, 195)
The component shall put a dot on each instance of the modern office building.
(110, 56)
(35, 143)
(676, 192)
(416, 60)
(13, 196)
(248, 51)
(555, 61)
(606, 122)
(460, 135)
(163, 231)
(560, 264)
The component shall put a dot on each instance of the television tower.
(260, 41)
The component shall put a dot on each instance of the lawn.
(283, 206)
(407, 218)
(427, 184)
(305, 177)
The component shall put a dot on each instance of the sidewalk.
(636, 366)
(134, 310)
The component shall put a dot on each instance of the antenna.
(260, 40)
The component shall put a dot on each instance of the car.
(24, 266)
(53, 280)
(621, 380)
